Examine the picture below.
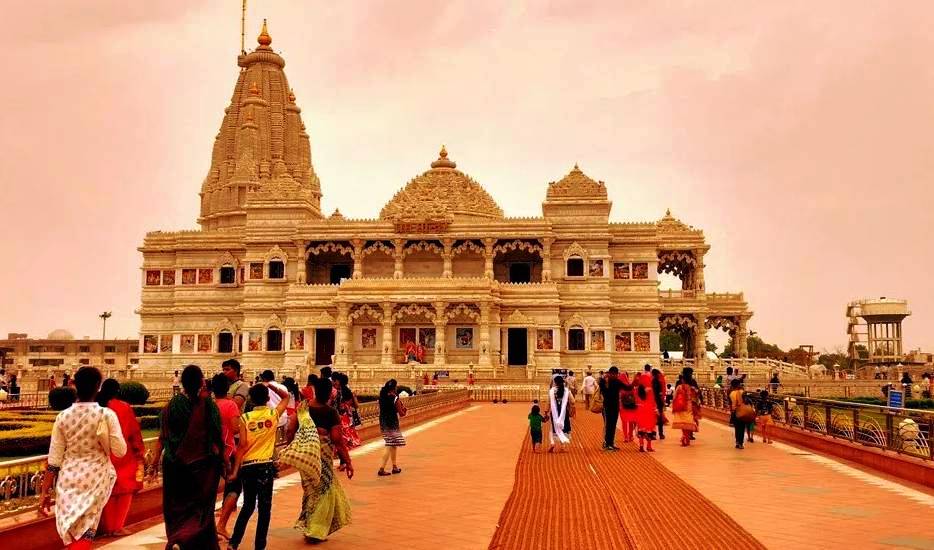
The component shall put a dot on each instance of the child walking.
(535, 427)
(253, 463)
(764, 415)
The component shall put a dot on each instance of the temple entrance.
(518, 341)
(324, 345)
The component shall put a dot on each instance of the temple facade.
(441, 278)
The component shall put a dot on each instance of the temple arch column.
(742, 347)
(441, 340)
(398, 256)
(300, 257)
(546, 259)
(699, 270)
(342, 346)
(488, 257)
(357, 258)
(388, 337)
(700, 341)
(448, 258)
(485, 351)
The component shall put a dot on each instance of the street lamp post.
(104, 316)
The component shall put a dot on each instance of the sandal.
(396, 470)
(383, 472)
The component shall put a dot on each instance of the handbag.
(745, 413)
(304, 452)
(103, 433)
(596, 402)
(355, 419)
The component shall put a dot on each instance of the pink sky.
(796, 134)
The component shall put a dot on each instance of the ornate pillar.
(531, 343)
(447, 256)
(699, 270)
(739, 341)
(342, 346)
(300, 271)
(700, 341)
(485, 350)
(357, 258)
(388, 337)
(546, 258)
(398, 247)
(488, 258)
(441, 325)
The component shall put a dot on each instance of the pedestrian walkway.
(470, 482)
(601, 500)
(792, 498)
(457, 472)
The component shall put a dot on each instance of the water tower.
(876, 324)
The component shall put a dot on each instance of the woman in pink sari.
(627, 408)
(646, 412)
(129, 466)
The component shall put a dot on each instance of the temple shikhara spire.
(441, 279)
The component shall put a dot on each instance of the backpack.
(596, 402)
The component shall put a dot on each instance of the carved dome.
(442, 193)
(577, 184)
(60, 334)
(262, 145)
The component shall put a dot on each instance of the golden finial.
(576, 168)
(291, 95)
(443, 161)
(264, 39)
(254, 89)
(668, 212)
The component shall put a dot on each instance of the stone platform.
(464, 472)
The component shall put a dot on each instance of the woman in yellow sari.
(325, 508)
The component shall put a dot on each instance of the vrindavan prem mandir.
(272, 281)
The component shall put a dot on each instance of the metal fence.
(40, 399)
(21, 480)
(905, 431)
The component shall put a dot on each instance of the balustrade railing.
(40, 399)
(21, 479)
(905, 431)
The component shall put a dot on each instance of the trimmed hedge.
(133, 393)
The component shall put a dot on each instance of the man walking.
(610, 387)
(590, 386)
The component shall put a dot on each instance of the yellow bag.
(596, 402)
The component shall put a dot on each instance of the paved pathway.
(791, 498)
(459, 471)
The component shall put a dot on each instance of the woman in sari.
(346, 404)
(646, 412)
(129, 467)
(83, 437)
(627, 408)
(325, 508)
(191, 464)
(686, 407)
(560, 411)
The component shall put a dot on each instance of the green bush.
(151, 409)
(149, 422)
(62, 398)
(920, 403)
(133, 393)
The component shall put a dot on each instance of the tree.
(711, 346)
(670, 340)
(831, 359)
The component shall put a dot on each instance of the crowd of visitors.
(217, 433)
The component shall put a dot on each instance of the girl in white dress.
(83, 437)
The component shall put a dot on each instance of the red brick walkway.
(590, 498)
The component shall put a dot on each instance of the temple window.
(110, 349)
(225, 342)
(276, 269)
(273, 340)
(576, 339)
(518, 265)
(520, 272)
(575, 267)
(340, 272)
(228, 275)
(84, 349)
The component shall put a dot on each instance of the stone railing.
(20, 480)
(752, 366)
(40, 400)
(670, 293)
(904, 431)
